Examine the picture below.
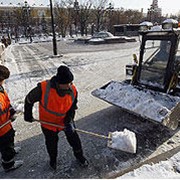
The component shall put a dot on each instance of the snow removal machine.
(153, 91)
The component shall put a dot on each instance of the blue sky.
(168, 6)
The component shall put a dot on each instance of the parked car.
(103, 37)
(103, 34)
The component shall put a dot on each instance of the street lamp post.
(53, 30)
(76, 9)
(110, 9)
(26, 12)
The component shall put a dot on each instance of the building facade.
(19, 19)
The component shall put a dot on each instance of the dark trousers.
(51, 140)
(7, 149)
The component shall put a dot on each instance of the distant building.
(16, 18)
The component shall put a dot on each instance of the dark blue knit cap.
(64, 75)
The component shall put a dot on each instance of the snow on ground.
(37, 39)
(169, 169)
(23, 78)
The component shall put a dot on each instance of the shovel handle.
(93, 134)
(79, 130)
(48, 123)
(7, 122)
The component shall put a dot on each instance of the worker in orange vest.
(7, 133)
(57, 99)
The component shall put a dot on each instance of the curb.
(161, 157)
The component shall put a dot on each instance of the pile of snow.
(146, 23)
(124, 141)
(170, 21)
(156, 28)
(146, 103)
(169, 169)
(18, 106)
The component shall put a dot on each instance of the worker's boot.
(17, 149)
(53, 164)
(16, 165)
(81, 159)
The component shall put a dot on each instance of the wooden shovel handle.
(48, 123)
(93, 134)
(79, 130)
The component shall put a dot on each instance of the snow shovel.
(115, 140)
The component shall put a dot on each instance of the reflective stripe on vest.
(4, 114)
(46, 95)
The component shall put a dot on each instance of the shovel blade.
(124, 141)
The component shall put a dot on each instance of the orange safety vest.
(52, 107)
(4, 113)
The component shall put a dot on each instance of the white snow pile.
(146, 103)
(123, 140)
(96, 40)
(18, 106)
(164, 169)
(146, 23)
(156, 28)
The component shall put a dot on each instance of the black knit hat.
(64, 75)
(4, 73)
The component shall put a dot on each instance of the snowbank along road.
(93, 66)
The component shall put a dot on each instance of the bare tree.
(70, 9)
(99, 12)
(84, 16)
(119, 16)
(64, 13)
(18, 22)
(61, 15)
(132, 16)
(1, 20)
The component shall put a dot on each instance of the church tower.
(155, 4)
(154, 12)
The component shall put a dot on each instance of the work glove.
(13, 118)
(12, 111)
(13, 114)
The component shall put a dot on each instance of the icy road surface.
(93, 66)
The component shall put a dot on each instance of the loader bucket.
(152, 105)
